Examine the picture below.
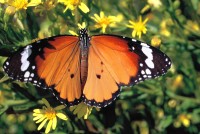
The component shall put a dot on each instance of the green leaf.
(3, 108)
(165, 122)
(23, 107)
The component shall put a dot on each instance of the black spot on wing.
(72, 76)
(98, 76)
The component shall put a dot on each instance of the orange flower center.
(75, 2)
(50, 113)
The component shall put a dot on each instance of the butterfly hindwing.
(51, 63)
(124, 62)
(94, 92)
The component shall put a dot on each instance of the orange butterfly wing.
(52, 63)
(114, 62)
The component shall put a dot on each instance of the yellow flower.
(73, 33)
(15, 5)
(103, 21)
(185, 119)
(48, 114)
(47, 5)
(192, 25)
(155, 3)
(165, 24)
(81, 110)
(81, 26)
(138, 27)
(178, 81)
(73, 4)
(155, 41)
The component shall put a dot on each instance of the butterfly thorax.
(84, 48)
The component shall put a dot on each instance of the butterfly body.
(87, 68)
(84, 48)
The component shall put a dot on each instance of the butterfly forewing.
(51, 63)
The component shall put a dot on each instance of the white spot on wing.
(144, 44)
(134, 40)
(27, 74)
(149, 63)
(148, 71)
(25, 54)
(142, 72)
(25, 66)
(148, 52)
(32, 74)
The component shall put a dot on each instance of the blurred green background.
(169, 104)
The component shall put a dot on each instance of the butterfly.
(89, 69)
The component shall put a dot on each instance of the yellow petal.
(54, 123)
(131, 22)
(41, 119)
(96, 17)
(10, 10)
(34, 3)
(140, 18)
(89, 110)
(36, 114)
(42, 124)
(73, 33)
(145, 21)
(48, 128)
(66, 9)
(104, 28)
(62, 1)
(139, 34)
(134, 33)
(2, 1)
(38, 117)
(81, 26)
(102, 14)
(130, 26)
(84, 8)
(62, 116)
(38, 111)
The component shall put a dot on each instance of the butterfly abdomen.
(84, 47)
(84, 66)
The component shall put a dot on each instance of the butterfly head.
(84, 38)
